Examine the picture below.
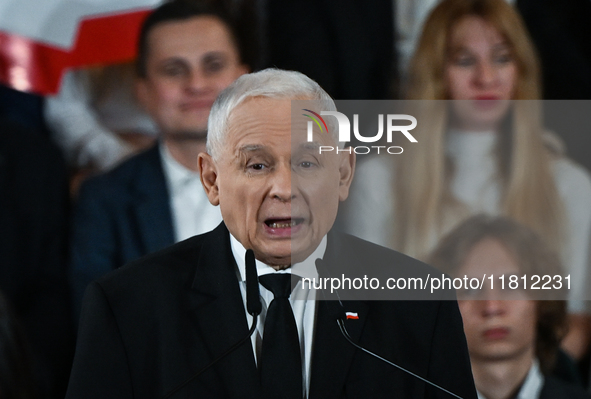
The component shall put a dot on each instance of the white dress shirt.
(532, 385)
(302, 301)
(192, 213)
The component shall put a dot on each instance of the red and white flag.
(40, 39)
(352, 315)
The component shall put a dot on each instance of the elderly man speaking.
(175, 324)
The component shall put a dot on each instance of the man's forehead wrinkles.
(248, 122)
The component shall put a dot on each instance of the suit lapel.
(332, 354)
(152, 213)
(220, 312)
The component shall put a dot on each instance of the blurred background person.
(513, 340)
(96, 118)
(559, 31)
(188, 53)
(480, 153)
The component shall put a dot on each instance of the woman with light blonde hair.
(481, 152)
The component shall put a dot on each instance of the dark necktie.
(281, 360)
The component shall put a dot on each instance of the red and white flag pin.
(352, 315)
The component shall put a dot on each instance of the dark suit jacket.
(34, 207)
(119, 217)
(561, 31)
(556, 389)
(149, 326)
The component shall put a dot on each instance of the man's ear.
(346, 173)
(209, 177)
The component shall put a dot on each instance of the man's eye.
(256, 166)
(172, 71)
(214, 66)
(308, 163)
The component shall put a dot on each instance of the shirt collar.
(307, 268)
(532, 385)
(176, 173)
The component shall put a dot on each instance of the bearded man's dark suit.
(149, 326)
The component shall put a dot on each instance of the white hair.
(269, 83)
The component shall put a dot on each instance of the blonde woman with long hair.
(480, 153)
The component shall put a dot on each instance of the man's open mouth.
(283, 223)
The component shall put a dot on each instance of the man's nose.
(196, 81)
(281, 188)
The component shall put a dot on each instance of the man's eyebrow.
(250, 148)
(172, 60)
(243, 151)
(313, 146)
(213, 55)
